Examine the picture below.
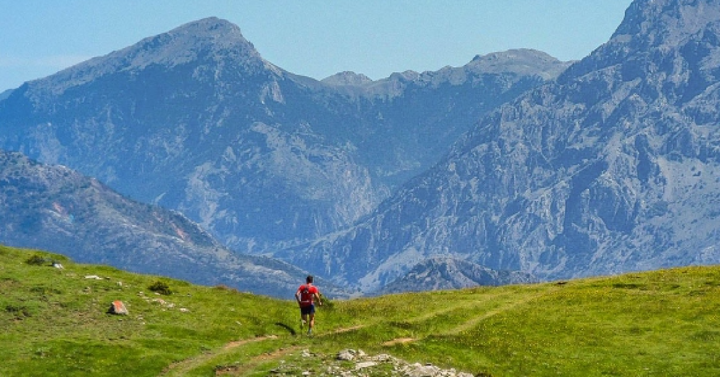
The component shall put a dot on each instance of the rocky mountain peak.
(209, 28)
(518, 61)
(347, 78)
(210, 35)
(655, 27)
(655, 23)
(211, 40)
(408, 75)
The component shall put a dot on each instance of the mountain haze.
(197, 121)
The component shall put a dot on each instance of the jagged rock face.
(347, 78)
(195, 120)
(615, 167)
(54, 208)
(419, 115)
(440, 273)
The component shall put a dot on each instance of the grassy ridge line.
(53, 322)
(656, 323)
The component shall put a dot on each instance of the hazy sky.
(308, 37)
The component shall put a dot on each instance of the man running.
(306, 296)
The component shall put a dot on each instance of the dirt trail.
(460, 305)
(254, 362)
(398, 341)
(474, 320)
(181, 367)
(345, 329)
(238, 343)
(184, 366)
(504, 308)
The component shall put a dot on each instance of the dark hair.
(309, 279)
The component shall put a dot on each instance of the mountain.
(54, 208)
(443, 273)
(347, 78)
(412, 118)
(5, 94)
(613, 167)
(195, 120)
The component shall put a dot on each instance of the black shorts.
(307, 309)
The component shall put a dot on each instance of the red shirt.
(307, 298)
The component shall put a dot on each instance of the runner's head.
(309, 279)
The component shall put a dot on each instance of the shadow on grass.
(288, 328)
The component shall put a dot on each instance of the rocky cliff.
(614, 167)
(444, 273)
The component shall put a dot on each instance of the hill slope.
(54, 324)
(55, 208)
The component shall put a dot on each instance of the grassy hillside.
(53, 322)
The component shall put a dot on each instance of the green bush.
(223, 287)
(327, 303)
(36, 260)
(160, 287)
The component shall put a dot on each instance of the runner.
(306, 296)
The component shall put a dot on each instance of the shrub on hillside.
(36, 260)
(160, 287)
(223, 287)
(327, 303)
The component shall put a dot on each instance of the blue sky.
(308, 37)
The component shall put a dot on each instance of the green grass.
(54, 323)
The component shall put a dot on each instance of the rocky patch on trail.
(356, 363)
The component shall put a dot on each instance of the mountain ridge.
(175, 47)
(443, 273)
(611, 168)
(55, 208)
(262, 158)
